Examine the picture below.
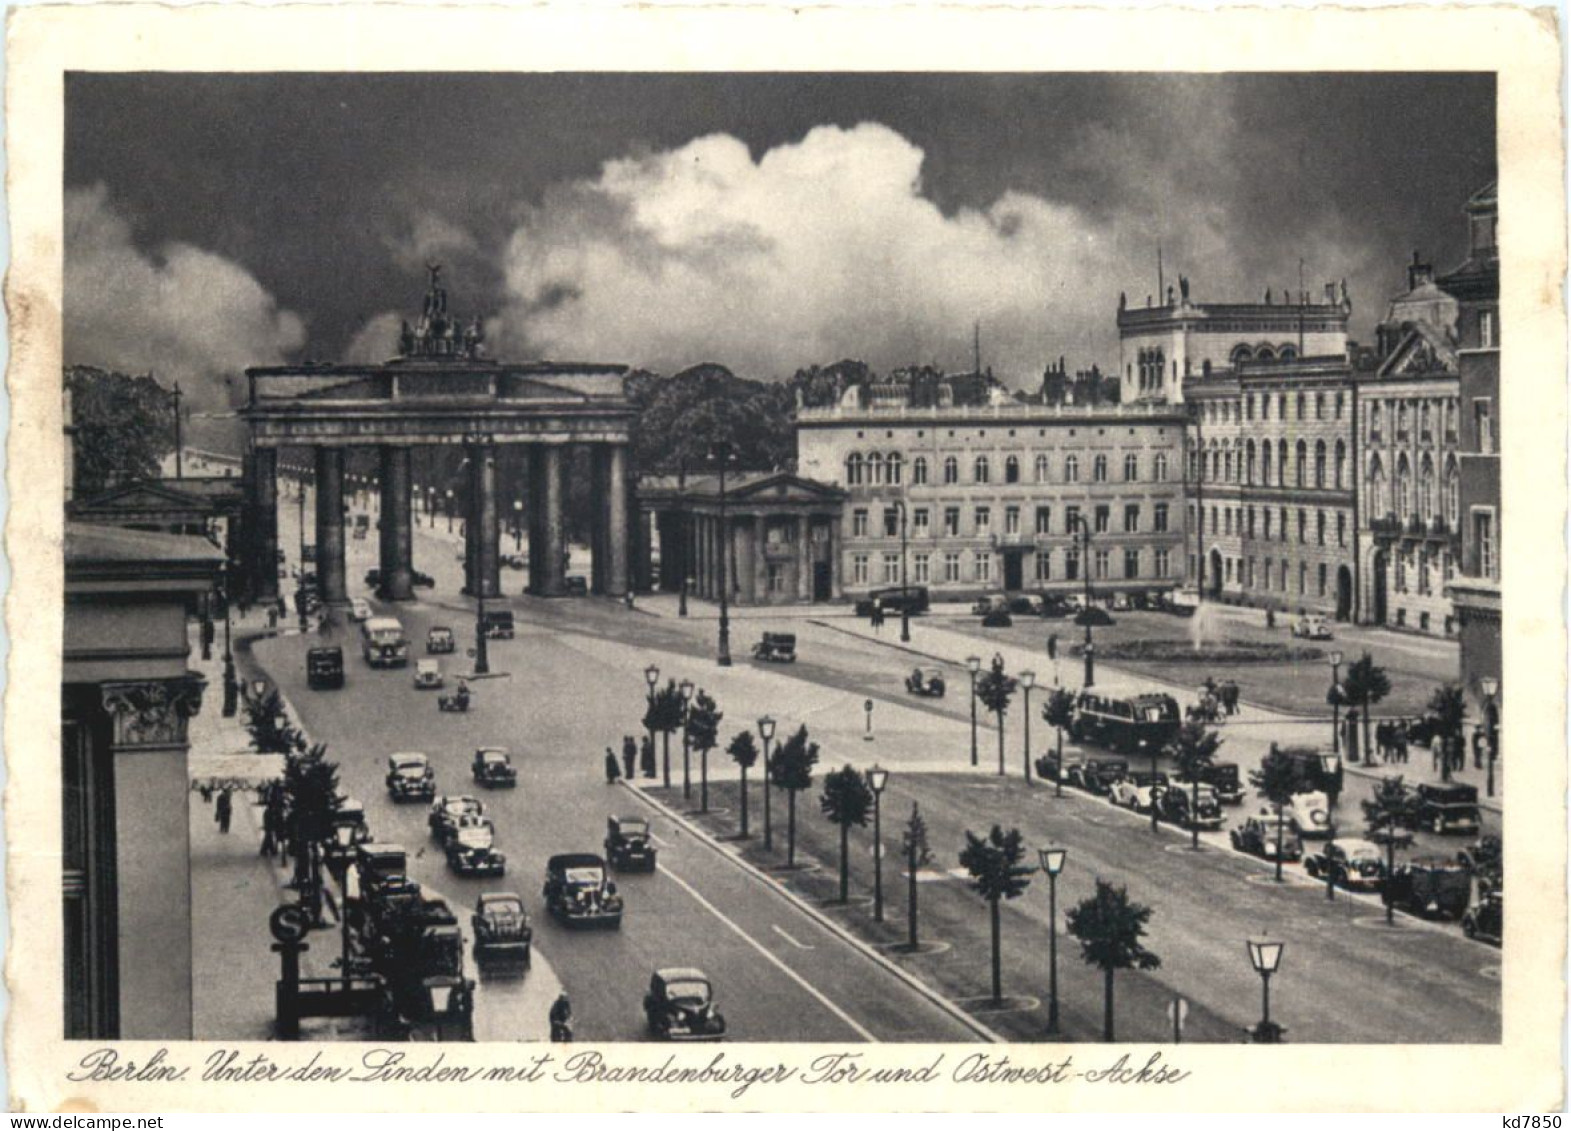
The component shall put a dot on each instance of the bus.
(383, 643)
(1140, 724)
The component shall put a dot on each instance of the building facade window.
(775, 577)
(1099, 469)
(1044, 565)
(919, 471)
(1011, 520)
(1303, 525)
(1282, 516)
(921, 568)
(1011, 470)
(919, 523)
(1320, 580)
(895, 466)
(1131, 518)
(859, 569)
(984, 565)
(1159, 467)
(979, 470)
(891, 569)
(891, 522)
(1104, 518)
(1265, 463)
(1040, 469)
(1159, 518)
(1265, 514)
(952, 566)
(1301, 451)
(951, 470)
(859, 523)
(1103, 563)
(1131, 564)
(951, 522)
(1161, 563)
(1072, 520)
(1484, 541)
(875, 468)
(1044, 520)
(854, 470)
(1341, 529)
(1071, 469)
(1486, 329)
(1072, 564)
(1320, 527)
(982, 519)
(1131, 468)
(1483, 425)
(1320, 463)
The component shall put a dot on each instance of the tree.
(791, 769)
(1193, 749)
(311, 797)
(1449, 710)
(847, 800)
(918, 856)
(744, 752)
(269, 725)
(1059, 712)
(1110, 928)
(124, 427)
(1366, 684)
(1386, 814)
(995, 690)
(996, 874)
(1276, 780)
(703, 733)
(663, 715)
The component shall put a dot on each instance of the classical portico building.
(440, 390)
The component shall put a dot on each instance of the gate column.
(600, 507)
(264, 523)
(482, 522)
(555, 543)
(330, 525)
(536, 517)
(616, 578)
(804, 558)
(396, 533)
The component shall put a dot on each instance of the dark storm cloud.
(578, 212)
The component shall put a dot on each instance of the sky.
(764, 222)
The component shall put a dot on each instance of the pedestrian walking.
(1400, 740)
(1383, 741)
(1478, 747)
(224, 811)
(630, 756)
(647, 756)
(269, 832)
(561, 1018)
(1437, 751)
(1351, 737)
(612, 770)
(1230, 697)
(1052, 646)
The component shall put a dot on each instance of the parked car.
(1048, 768)
(1257, 836)
(448, 812)
(1175, 804)
(428, 674)
(493, 768)
(926, 682)
(1433, 887)
(1310, 815)
(502, 931)
(1223, 777)
(1311, 627)
(359, 609)
(1120, 602)
(1054, 606)
(578, 892)
(1486, 919)
(1022, 606)
(1357, 865)
(324, 667)
(998, 618)
(373, 578)
(990, 603)
(1138, 791)
(410, 777)
(439, 640)
(776, 648)
(421, 580)
(499, 624)
(1097, 618)
(628, 845)
(1446, 809)
(515, 561)
(1097, 777)
(471, 849)
(1485, 861)
(680, 1006)
(913, 599)
(577, 586)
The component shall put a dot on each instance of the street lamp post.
(1027, 682)
(477, 503)
(651, 677)
(877, 779)
(449, 510)
(1052, 864)
(1331, 770)
(1336, 701)
(973, 665)
(686, 548)
(1085, 567)
(723, 658)
(686, 688)
(766, 731)
(518, 526)
(1490, 687)
(231, 690)
(905, 587)
(1265, 957)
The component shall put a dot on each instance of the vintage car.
(1486, 919)
(1485, 861)
(1310, 815)
(421, 580)
(439, 640)
(1054, 606)
(350, 814)
(1223, 777)
(1048, 768)
(428, 674)
(1357, 865)
(515, 561)
(471, 848)
(373, 578)
(493, 768)
(926, 682)
(1138, 791)
(448, 812)
(324, 667)
(628, 845)
(1431, 887)
(359, 609)
(499, 624)
(576, 586)
(776, 648)
(1097, 777)
(1174, 805)
(992, 602)
(1446, 809)
(680, 1006)
(501, 930)
(1257, 836)
(579, 893)
(410, 777)
(1311, 627)
(998, 618)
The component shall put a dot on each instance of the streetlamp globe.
(877, 779)
(686, 687)
(1489, 686)
(766, 728)
(973, 664)
(651, 676)
(1052, 860)
(1265, 956)
(1335, 659)
(1028, 679)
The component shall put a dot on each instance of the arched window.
(1099, 469)
(1131, 468)
(1374, 420)
(1320, 463)
(1240, 354)
(1341, 464)
(1404, 488)
(1451, 493)
(1379, 504)
(1281, 406)
(1071, 469)
(919, 471)
(951, 470)
(1300, 406)
(1159, 467)
(1423, 420)
(1265, 353)
(875, 468)
(1265, 463)
(1281, 463)
(1227, 467)
(894, 468)
(1426, 489)
(1249, 463)
(1216, 466)
(1320, 406)
(1041, 469)
(1287, 353)
(979, 470)
(854, 469)
(1011, 470)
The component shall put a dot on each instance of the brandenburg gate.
(440, 390)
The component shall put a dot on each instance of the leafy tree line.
(124, 426)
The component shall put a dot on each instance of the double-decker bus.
(1138, 724)
(383, 643)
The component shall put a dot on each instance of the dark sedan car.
(1257, 836)
(680, 1006)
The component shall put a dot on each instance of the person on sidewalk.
(1478, 747)
(269, 831)
(225, 811)
(1400, 740)
(612, 770)
(647, 756)
(561, 1017)
(629, 756)
(1351, 737)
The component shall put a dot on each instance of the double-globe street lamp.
(1052, 860)
(973, 665)
(1265, 956)
(1491, 688)
(766, 731)
(877, 779)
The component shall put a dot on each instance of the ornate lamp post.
(682, 539)
(1336, 701)
(518, 525)
(1052, 864)
(877, 779)
(449, 510)
(723, 657)
(766, 731)
(973, 665)
(1085, 566)
(1490, 687)
(686, 688)
(905, 595)
(1265, 957)
(1027, 682)
(651, 678)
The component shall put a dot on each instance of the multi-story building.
(993, 494)
(1475, 589)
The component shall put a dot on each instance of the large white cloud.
(181, 312)
(818, 250)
